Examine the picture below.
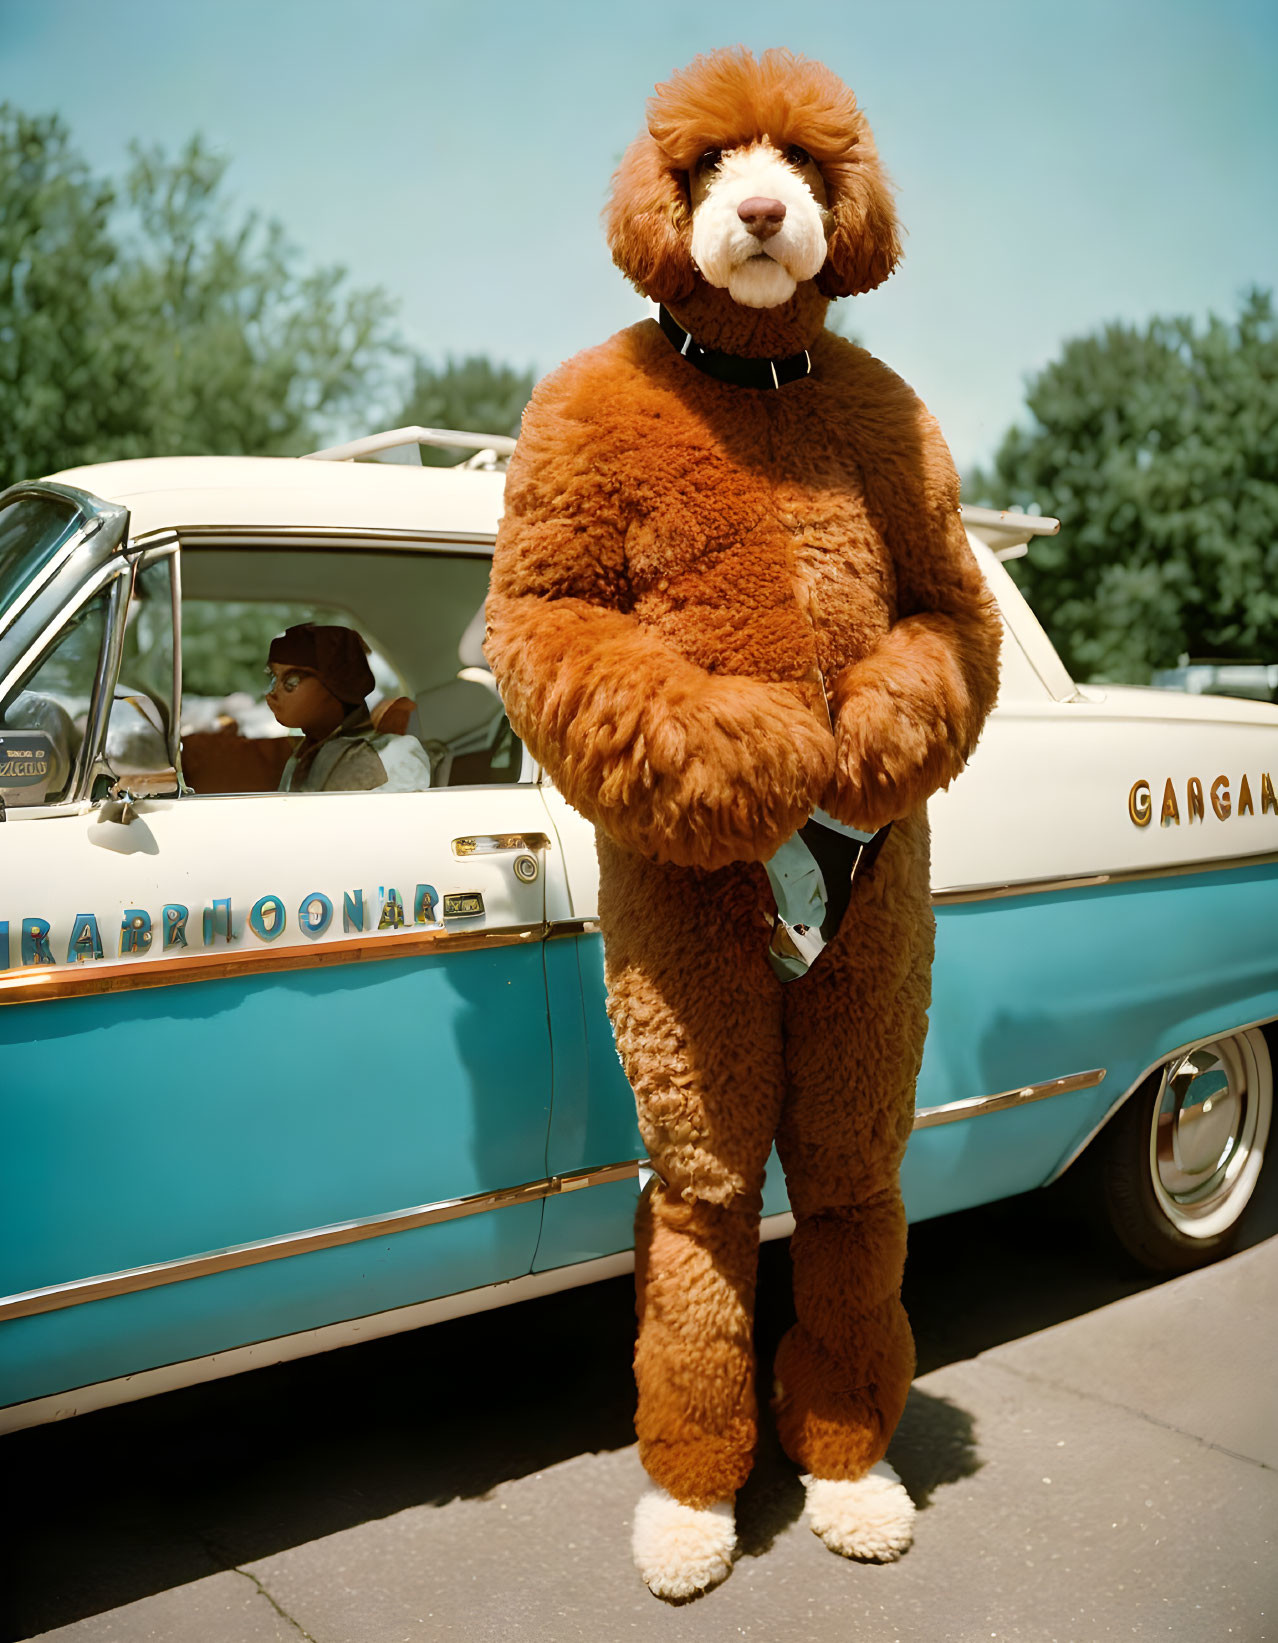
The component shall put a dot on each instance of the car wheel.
(1180, 1162)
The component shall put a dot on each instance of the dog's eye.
(798, 157)
(709, 161)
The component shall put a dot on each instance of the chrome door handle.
(487, 844)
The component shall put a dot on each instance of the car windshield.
(33, 526)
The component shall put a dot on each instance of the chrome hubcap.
(1209, 1132)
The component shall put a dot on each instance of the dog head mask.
(754, 175)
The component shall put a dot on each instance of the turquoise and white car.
(285, 1071)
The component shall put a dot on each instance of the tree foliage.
(152, 322)
(1158, 450)
(59, 387)
(224, 642)
(472, 394)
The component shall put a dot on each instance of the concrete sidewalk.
(1114, 1476)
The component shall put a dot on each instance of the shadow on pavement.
(935, 1444)
(118, 1505)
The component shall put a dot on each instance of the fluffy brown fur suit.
(678, 558)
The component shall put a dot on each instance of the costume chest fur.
(741, 507)
(773, 536)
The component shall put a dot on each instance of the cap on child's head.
(336, 655)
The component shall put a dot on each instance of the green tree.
(189, 331)
(224, 642)
(1158, 450)
(59, 371)
(469, 394)
(242, 350)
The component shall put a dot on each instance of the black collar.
(743, 373)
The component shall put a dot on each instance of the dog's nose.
(762, 217)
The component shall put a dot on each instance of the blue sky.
(1057, 165)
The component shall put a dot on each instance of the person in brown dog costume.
(732, 587)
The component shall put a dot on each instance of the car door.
(593, 1126)
(270, 1061)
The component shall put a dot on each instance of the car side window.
(434, 718)
(231, 741)
(43, 722)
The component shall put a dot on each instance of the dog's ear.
(864, 244)
(649, 224)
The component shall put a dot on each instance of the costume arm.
(679, 764)
(907, 715)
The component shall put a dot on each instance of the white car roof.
(177, 491)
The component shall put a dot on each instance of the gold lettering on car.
(1140, 800)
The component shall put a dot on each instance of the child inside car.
(320, 682)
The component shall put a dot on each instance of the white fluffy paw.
(682, 1550)
(870, 1517)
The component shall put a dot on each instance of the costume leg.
(697, 1017)
(854, 1038)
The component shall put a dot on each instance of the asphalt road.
(474, 1480)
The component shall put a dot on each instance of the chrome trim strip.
(54, 1297)
(1027, 887)
(175, 713)
(238, 537)
(38, 985)
(389, 439)
(237, 1360)
(146, 551)
(978, 1105)
(1005, 525)
(1086, 881)
(92, 760)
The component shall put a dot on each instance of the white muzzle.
(757, 273)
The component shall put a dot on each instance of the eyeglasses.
(286, 682)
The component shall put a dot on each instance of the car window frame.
(90, 556)
(142, 554)
(96, 556)
(327, 539)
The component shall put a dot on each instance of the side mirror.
(116, 824)
(136, 749)
(147, 784)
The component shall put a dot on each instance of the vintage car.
(281, 1071)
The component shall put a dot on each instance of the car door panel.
(593, 1123)
(299, 1080)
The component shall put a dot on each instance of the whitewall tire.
(1179, 1164)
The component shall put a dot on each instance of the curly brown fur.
(682, 565)
(756, 333)
(659, 600)
(723, 101)
(697, 754)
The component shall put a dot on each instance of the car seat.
(462, 724)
